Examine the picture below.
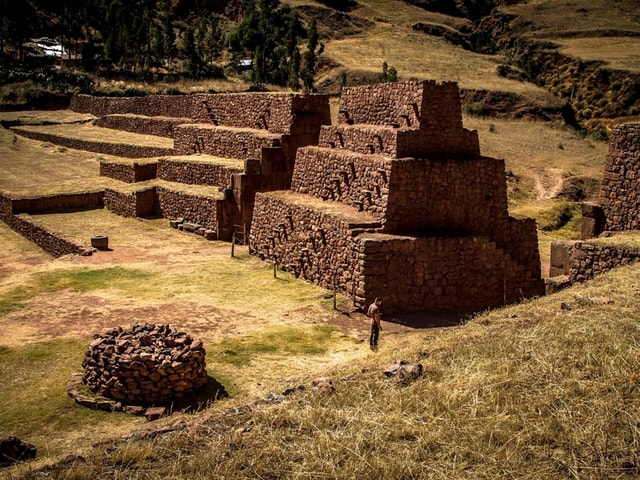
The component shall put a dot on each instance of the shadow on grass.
(211, 392)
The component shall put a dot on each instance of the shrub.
(476, 108)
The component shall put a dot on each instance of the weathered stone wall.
(367, 139)
(159, 126)
(129, 172)
(462, 196)
(193, 208)
(620, 188)
(522, 245)
(222, 141)
(180, 106)
(52, 243)
(440, 274)
(145, 365)
(432, 108)
(315, 244)
(197, 172)
(140, 203)
(276, 112)
(360, 181)
(118, 149)
(591, 259)
(59, 202)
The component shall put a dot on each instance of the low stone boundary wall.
(357, 180)
(590, 259)
(128, 172)
(222, 141)
(52, 243)
(58, 203)
(159, 126)
(117, 149)
(134, 204)
(197, 172)
(180, 106)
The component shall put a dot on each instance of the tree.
(308, 70)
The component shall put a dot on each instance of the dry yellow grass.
(616, 52)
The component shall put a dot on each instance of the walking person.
(373, 312)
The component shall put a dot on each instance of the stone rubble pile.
(145, 365)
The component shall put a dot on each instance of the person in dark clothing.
(373, 312)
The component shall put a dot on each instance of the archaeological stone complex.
(394, 199)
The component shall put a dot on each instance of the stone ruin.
(616, 210)
(147, 365)
(396, 201)
(393, 200)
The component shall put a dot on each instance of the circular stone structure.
(145, 365)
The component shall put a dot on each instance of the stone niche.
(147, 365)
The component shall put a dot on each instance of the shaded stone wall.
(134, 204)
(197, 172)
(441, 274)
(159, 126)
(317, 245)
(282, 113)
(193, 208)
(128, 172)
(357, 180)
(57, 203)
(620, 189)
(117, 149)
(523, 244)
(222, 141)
(456, 196)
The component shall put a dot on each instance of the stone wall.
(159, 126)
(357, 180)
(129, 172)
(52, 243)
(193, 208)
(281, 113)
(222, 141)
(589, 260)
(139, 203)
(463, 196)
(440, 274)
(180, 106)
(620, 189)
(315, 244)
(117, 149)
(58, 203)
(432, 108)
(197, 172)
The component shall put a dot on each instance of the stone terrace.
(438, 235)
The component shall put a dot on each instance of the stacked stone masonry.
(259, 132)
(129, 172)
(198, 171)
(158, 126)
(620, 188)
(108, 148)
(438, 235)
(616, 210)
(12, 210)
(145, 365)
